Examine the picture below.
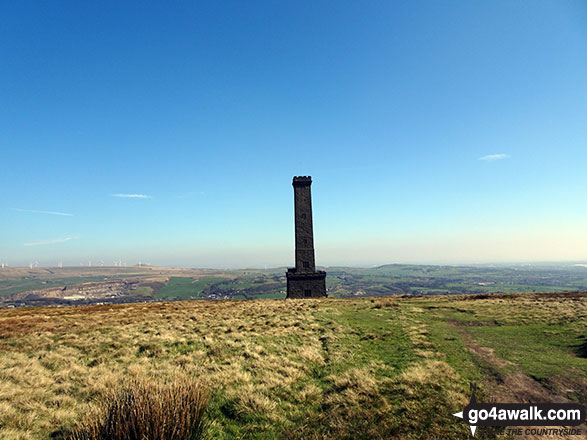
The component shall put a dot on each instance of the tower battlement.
(302, 181)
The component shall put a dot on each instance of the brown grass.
(143, 410)
(316, 369)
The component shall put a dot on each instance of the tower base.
(306, 284)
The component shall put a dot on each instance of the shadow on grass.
(582, 349)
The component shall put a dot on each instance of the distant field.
(429, 280)
(20, 279)
(392, 280)
(341, 282)
(9, 287)
(365, 368)
(185, 288)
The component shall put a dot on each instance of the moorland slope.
(392, 367)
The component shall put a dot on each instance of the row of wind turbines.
(100, 263)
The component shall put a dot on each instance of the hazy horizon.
(121, 263)
(435, 132)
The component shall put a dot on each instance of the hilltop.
(389, 367)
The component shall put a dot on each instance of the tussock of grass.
(142, 410)
(385, 302)
(358, 380)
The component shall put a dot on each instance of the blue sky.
(209, 108)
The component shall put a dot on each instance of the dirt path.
(518, 387)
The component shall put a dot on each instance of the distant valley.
(22, 287)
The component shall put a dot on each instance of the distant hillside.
(38, 286)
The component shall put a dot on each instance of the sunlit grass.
(306, 369)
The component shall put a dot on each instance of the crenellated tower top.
(302, 181)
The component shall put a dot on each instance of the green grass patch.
(541, 350)
(271, 295)
(185, 287)
(368, 335)
(447, 340)
(143, 291)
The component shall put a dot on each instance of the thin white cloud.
(131, 196)
(35, 211)
(493, 157)
(51, 241)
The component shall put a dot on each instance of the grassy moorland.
(392, 367)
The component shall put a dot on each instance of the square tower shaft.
(305, 258)
(304, 281)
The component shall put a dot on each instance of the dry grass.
(141, 410)
(386, 302)
(57, 363)
(311, 369)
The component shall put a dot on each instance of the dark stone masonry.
(304, 281)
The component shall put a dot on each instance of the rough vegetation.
(143, 410)
(364, 368)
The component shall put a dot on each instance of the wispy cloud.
(131, 196)
(35, 211)
(51, 241)
(493, 157)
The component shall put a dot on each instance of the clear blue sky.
(437, 131)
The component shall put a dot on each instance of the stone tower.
(303, 281)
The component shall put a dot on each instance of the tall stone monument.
(304, 281)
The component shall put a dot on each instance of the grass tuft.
(141, 410)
